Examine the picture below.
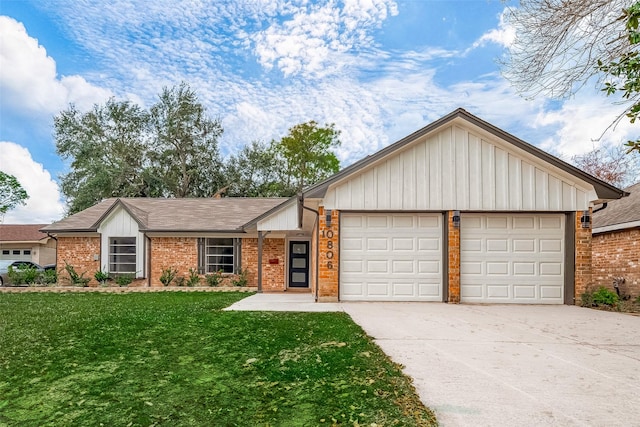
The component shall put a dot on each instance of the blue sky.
(378, 69)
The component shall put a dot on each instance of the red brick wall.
(273, 275)
(78, 252)
(454, 259)
(617, 254)
(312, 259)
(583, 279)
(180, 253)
(328, 245)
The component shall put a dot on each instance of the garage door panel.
(524, 245)
(498, 291)
(400, 259)
(429, 245)
(534, 258)
(376, 244)
(497, 245)
(403, 267)
(403, 243)
(525, 292)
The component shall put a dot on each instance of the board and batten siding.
(286, 218)
(120, 224)
(283, 219)
(458, 169)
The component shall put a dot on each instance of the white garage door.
(390, 257)
(512, 258)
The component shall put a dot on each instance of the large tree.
(610, 164)
(120, 149)
(257, 171)
(307, 153)
(11, 193)
(185, 144)
(560, 45)
(107, 147)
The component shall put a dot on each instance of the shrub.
(167, 276)
(24, 274)
(76, 279)
(241, 279)
(214, 279)
(101, 277)
(49, 277)
(179, 280)
(194, 277)
(124, 279)
(601, 297)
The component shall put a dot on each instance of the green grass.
(175, 359)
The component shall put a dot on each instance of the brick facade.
(329, 259)
(617, 254)
(82, 253)
(583, 278)
(180, 253)
(453, 256)
(273, 275)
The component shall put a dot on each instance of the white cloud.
(504, 35)
(314, 40)
(44, 205)
(583, 123)
(28, 78)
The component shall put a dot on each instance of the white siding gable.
(120, 224)
(283, 219)
(460, 167)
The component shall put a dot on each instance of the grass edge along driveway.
(176, 359)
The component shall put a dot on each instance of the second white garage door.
(512, 258)
(390, 257)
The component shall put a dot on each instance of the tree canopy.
(307, 153)
(120, 149)
(561, 44)
(11, 193)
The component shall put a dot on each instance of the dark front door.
(298, 264)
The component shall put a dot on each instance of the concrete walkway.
(502, 365)
(286, 301)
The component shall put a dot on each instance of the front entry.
(298, 264)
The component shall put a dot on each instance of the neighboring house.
(458, 211)
(616, 243)
(25, 242)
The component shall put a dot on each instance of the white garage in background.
(391, 257)
(512, 258)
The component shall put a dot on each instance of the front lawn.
(176, 359)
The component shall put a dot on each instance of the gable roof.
(619, 214)
(172, 215)
(22, 233)
(604, 190)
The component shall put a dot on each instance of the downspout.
(317, 227)
(604, 206)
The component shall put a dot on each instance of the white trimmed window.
(122, 255)
(219, 254)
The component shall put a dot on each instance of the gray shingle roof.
(21, 232)
(620, 211)
(175, 215)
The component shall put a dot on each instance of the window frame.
(115, 265)
(206, 267)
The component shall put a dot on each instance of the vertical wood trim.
(570, 258)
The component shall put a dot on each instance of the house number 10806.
(329, 254)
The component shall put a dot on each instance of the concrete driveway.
(498, 365)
